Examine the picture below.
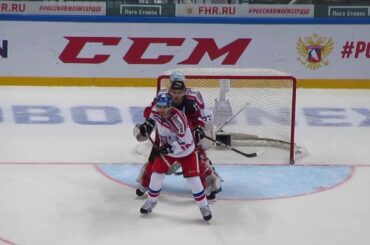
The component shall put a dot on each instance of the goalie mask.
(177, 76)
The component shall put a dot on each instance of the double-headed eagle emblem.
(314, 51)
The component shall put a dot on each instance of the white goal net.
(251, 106)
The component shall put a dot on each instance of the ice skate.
(206, 213)
(147, 207)
(140, 191)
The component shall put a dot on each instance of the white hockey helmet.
(177, 76)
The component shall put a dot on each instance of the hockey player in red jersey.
(176, 144)
(181, 96)
(191, 104)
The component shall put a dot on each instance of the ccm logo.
(135, 53)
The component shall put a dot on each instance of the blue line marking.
(249, 182)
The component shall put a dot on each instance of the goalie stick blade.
(249, 155)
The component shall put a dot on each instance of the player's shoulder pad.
(190, 106)
(195, 95)
(191, 91)
(178, 119)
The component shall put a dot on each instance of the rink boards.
(320, 54)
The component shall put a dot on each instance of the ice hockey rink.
(68, 166)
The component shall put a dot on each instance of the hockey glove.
(165, 149)
(199, 133)
(147, 127)
(137, 134)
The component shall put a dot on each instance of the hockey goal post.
(254, 107)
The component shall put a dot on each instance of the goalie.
(190, 102)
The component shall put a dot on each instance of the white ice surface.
(73, 203)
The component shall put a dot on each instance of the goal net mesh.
(255, 109)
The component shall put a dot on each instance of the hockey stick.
(171, 168)
(249, 155)
(232, 117)
(157, 148)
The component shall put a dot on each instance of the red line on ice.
(7, 241)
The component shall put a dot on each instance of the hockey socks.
(200, 197)
(198, 191)
(155, 186)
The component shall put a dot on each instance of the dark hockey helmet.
(177, 85)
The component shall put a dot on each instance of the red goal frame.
(294, 96)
